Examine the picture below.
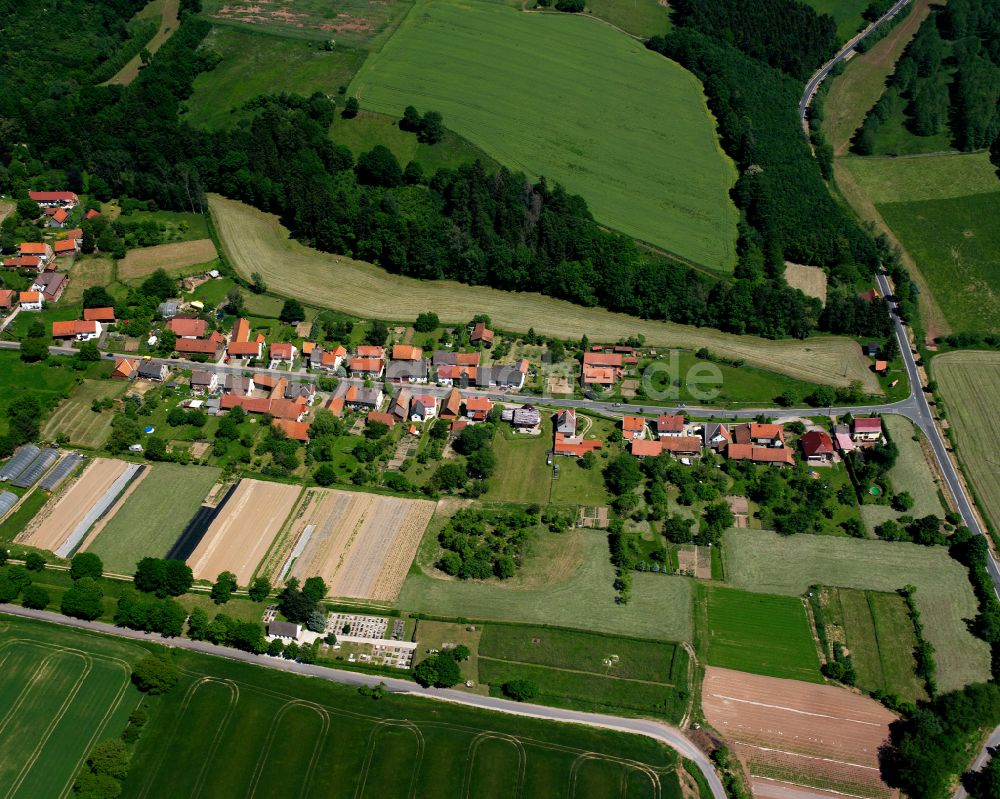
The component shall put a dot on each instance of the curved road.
(664, 733)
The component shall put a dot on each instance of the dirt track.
(820, 735)
(50, 530)
(242, 533)
(361, 544)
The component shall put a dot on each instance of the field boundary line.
(381, 726)
(812, 787)
(795, 710)
(576, 671)
(234, 698)
(807, 757)
(265, 753)
(586, 757)
(522, 761)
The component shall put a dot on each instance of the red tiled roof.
(633, 424)
(61, 215)
(7, 297)
(868, 424)
(299, 431)
(670, 423)
(73, 328)
(91, 213)
(643, 448)
(602, 375)
(452, 403)
(197, 346)
(406, 352)
(336, 406)
(99, 314)
(52, 196)
(681, 444)
(366, 365)
(467, 359)
(188, 327)
(64, 246)
(602, 359)
(456, 372)
(30, 296)
(478, 404)
(572, 445)
(241, 330)
(23, 261)
(369, 351)
(75, 233)
(243, 348)
(124, 367)
(748, 452)
(281, 350)
(385, 418)
(481, 333)
(33, 248)
(816, 442)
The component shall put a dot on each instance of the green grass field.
(176, 225)
(761, 634)
(59, 698)
(18, 520)
(260, 63)
(969, 383)
(911, 473)
(580, 596)
(931, 177)
(846, 13)
(766, 562)
(632, 135)
(588, 671)
(877, 630)
(894, 136)
(75, 418)
(49, 382)
(642, 18)
(154, 515)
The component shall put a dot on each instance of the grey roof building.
(407, 371)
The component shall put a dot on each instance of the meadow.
(175, 258)
(846, 13)
(87, 271)
(930, 177)
(642, 18)
(49, 383)
(765, 562)
(969, 383)
(876, 629)
(154, 515)
(254, 241)
(588, 671)
(633, 134)
(761, 634)
(579, 596)
(75, 418)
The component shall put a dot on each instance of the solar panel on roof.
(19, 462)
(36, 468)
(7, 501)
(62, 470)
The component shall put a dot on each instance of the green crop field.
(642, 18)
(911, 473)
(931, 177)
(588, 671)
(633, 134)
(876, 629)
(761, 634)
(769, 563)
(969, 383)
(59, 697)
(75, 418)
(153, 516)
(579, 595)
(260, 63)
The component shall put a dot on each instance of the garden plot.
(361, 544)
(241, 534)
(79, 506)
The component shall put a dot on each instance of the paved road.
(992, 743)
(845, 51)
(664, 733)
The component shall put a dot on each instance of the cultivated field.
(362, 545)
(241, 534)
(85, 272)
(172, 257)
(931, 177)
(60, 695)
(633, 135)
(642, 18)
(75, 418)
(817, 735)
(59, 519)
(153, 516)
(911, 473)
(766, 562)
(970, 383)
(810, 280)
(169, 22)
(579, 594)
(256, 242)
(603, 673)
(761, 634)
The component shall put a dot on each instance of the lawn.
(633, 134)
(66, 700)
(75, 418)
(256, 63)
(87, 271)
(580, 595)
(256, 242)
(931, 177)
(588, 671)
(176, 258)
(970, 383)
(154, 515)
(846, 13)
(521, 473)
(762, 634)
(876, 629)
(642, 18)
(911, 473)
(50, 382)
(766, 562)
(213, 293)
(175, 225)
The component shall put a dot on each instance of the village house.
(566, 422)
(198, 346)
(423, 407)
(527, 417)
(336, 406)
(283, 352)
(151, 370)
(278, 408)
(779, 456)
(204, 382)
(103, 315)
(866, 429)
(715, 435)
(366, 367)
(670, 424)
(506, 377)
(759, 435)
(451, 374)
(406, 352)
(125, 368)
(244, 350)
(842, 436)
(55, 199)
(77, 330)
(183, 327)
(51, 284)
(574, 446)
(239, 385)
(363, 398)
(24, 262)
(646, 448)
(817, 446)
(633, 427)
(241, 330)
(75, 235)
(601, 368)
(477, 409)
(407, 371)
(57, 218)
(297, 431)
(295, 389)
(481, 334)
(8, 300)
(378, 417)
(400, 405)
(65, 247)
(681, 446)
(30, 300)
(36, 249)
(452, 405)
(370, 351)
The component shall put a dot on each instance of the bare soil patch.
(240, 536)
(818, 735)
(361, 544)
(171, 257)
(57, 520)
(810, 280)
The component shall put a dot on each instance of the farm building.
(55, 199)
(125, 368)
(407, 371)
(297, 431)
(203, 381)
(574, 446)
(646, 448)
(30, 300)
(633, 427)
(378, 417)
(370, 351)
(99, 315)
(481, 334)
(866, 429)
(406, 352)
(18, 462)
(684, 446)
(76, 329)
(198, 346)
(370, 398)
(452, 405)
(241, 330)
(504, 376)
(65, 247)
(239, 385)
(760, 435)
(670, 424)
(450, 374)
(7, 501)
(150, 370)
(8, 299)
(748, 452)
(51, 285)
(817, 446)
(188, 328)
(448, 358)
(336, 406)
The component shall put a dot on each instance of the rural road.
(984, 755)
(664, 733)
(821, 74)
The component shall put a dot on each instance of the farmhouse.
(574, 446)
(450, 374)
(381, 418)
(646, 448)
(477, 409)
(99, 315)
(55, 199)
(566, 422)
(241, 330)
(481, 334)
(24, 262)
(125, 368)
(76, 329)
(244, 350)
(749, 452)
(75, 235)
(612, 359)
(37, 249)
(51, 284)
(57, 218)
(670, 424)
(370, 351)
(238, 385)
(686, 446)
(150, 370)
(366, 367)
(283, 351)
(817, 446)
(866, 429)
(527, 417)
(604, 376)
(336, 406)
(278, 408)
(198, 346)
(452, 405)
(295, 389)
(327, 360)
(423, 407)
(400, 405)
(715, 436)
(633, 427)
(65, 247)
(30, 300)
(509, 377)
(359, 398)
(406, 352)
(297, 431)
(187, 328)
(8, 299)
(761, 435)
(407, 371)
(204, 382)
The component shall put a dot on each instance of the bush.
(35, 597)
(155, 675)
(34, 562)
(519, 690)
(86, 564)
(426, 322)
(83, 600)
(440, 670)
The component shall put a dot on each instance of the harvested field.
(241, 534)
(818, 735)
(53, 526)
(87, 271)
(75, 418)
(360, 544)
(254, 241)
(810, 280)
(171, 257)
